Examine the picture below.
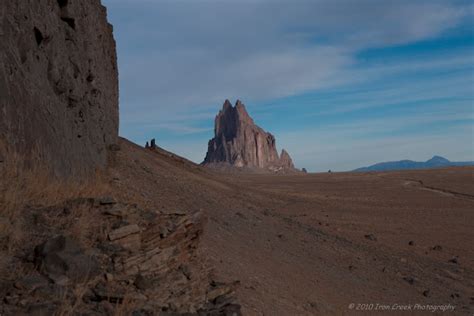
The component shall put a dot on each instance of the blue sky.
(341, 84)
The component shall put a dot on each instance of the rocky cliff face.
(239, 142)
(58, 83)
(84, 255)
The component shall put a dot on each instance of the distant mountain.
(435, 162)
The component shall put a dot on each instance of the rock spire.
(239, 142)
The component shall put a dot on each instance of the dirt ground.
(322, 244)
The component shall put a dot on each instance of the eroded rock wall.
(58, 83)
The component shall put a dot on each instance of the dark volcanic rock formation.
(58, 83)
(240, 143)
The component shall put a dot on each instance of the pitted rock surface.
(58, 83)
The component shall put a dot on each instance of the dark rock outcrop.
(151, 144)
(62, 260)
(58, 84)
(135, 259)
(239, 142)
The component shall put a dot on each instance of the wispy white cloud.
(182, 129)
(188, 53)
(180, 59)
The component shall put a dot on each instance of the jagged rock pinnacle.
(239, 142)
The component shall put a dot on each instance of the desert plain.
(324, 243)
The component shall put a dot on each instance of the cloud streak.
(199, 52)
(180, 59)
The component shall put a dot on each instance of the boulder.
(124, 231)
(62, 260)
(31, 282)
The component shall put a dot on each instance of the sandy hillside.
(314, 244)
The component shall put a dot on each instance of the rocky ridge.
(148, 260)
(239, 142)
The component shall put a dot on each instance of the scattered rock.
(141, 282)
(176, 212)
(410, 280)
(164, 231)
(30, 283)
(109, 277)
(370, 237)
(454, 260)
(218, 309)
(105, 308)
(411, 243)
(114, 147)
(110, 248)
(453, 275)
(11, 299)
(186, 271)
(61, 258)
(312, 306)
(143, 312)
(426, 293)
(240, 215)
(117, 210)
(123, 232)
(42, 309)
(102, 293)
(217, 291)
(437, 248)
(107, 201)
